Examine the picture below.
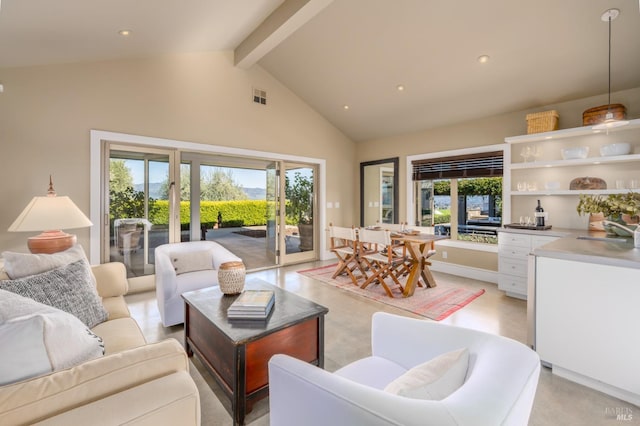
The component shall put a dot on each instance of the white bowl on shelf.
(574, 153)
(552, 185)
(615, 149)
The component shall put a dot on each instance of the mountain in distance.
(255, 193)
(155, 189)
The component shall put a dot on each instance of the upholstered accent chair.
(182, 267)
(497, 384)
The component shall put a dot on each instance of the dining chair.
(344, 244)
(379, 257)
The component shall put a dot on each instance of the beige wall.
(487, 131)
(46, 114)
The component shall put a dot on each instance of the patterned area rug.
(435, 303)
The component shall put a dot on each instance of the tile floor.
(347, 337)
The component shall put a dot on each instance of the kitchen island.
(584, 302)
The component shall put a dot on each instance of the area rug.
(435, 303)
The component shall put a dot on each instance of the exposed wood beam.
(286, 19)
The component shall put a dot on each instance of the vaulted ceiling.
(356, 53)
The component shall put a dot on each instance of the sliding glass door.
(139, 206)
(300, 211)
(262, 210)
(272, 212)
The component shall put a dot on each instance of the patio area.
(247, 242)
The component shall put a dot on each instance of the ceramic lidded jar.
(231, 277)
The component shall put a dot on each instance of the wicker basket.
(545, 121)
(597, 115)
(231, 277)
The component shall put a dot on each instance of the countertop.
(569, 247)
(553, 232)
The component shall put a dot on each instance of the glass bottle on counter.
(539, 216)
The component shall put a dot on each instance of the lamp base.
(51, 242)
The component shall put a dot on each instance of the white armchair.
(499, 387)
(202, 260)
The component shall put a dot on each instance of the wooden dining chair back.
(378, 255)
(344, 245)
(393, 227)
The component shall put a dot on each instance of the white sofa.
(499, 387)
(133, 383)
(171, 284)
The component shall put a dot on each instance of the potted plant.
(299, 194)
(621, 208)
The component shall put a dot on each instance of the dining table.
(419, 247)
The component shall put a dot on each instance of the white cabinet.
(513, 253)
(587, 320)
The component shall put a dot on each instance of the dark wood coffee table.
(237, 352)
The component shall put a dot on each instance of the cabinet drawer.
(508, 265)
(512, 284)
(520, 240)
(514, 251)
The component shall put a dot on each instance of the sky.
(158, 173)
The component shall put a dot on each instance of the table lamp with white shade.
(50, 214)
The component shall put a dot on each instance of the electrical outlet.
(444, 254)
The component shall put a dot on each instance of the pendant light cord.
(609, 101)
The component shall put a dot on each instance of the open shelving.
(569, 133)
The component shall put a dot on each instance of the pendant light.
(609, 122)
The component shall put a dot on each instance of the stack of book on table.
(252, 304)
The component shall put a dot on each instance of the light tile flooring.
(347, 338)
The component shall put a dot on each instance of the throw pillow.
(23, 354)
(435, 379)
(37, 339)
(68, 288)
(20, 265)
(191, 261)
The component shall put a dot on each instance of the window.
(460, 195)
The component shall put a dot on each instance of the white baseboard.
(465, 271)
(597, 385)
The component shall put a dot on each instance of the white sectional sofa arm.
(111, 279)
(139, 378)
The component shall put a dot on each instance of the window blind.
(483, 164)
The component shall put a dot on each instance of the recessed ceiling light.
(400, 87)
(483, 59)
(345, 106)
(124, 33)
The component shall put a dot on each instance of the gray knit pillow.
(68, 288)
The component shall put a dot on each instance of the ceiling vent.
(260, 96)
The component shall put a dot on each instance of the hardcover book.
(252, 304)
